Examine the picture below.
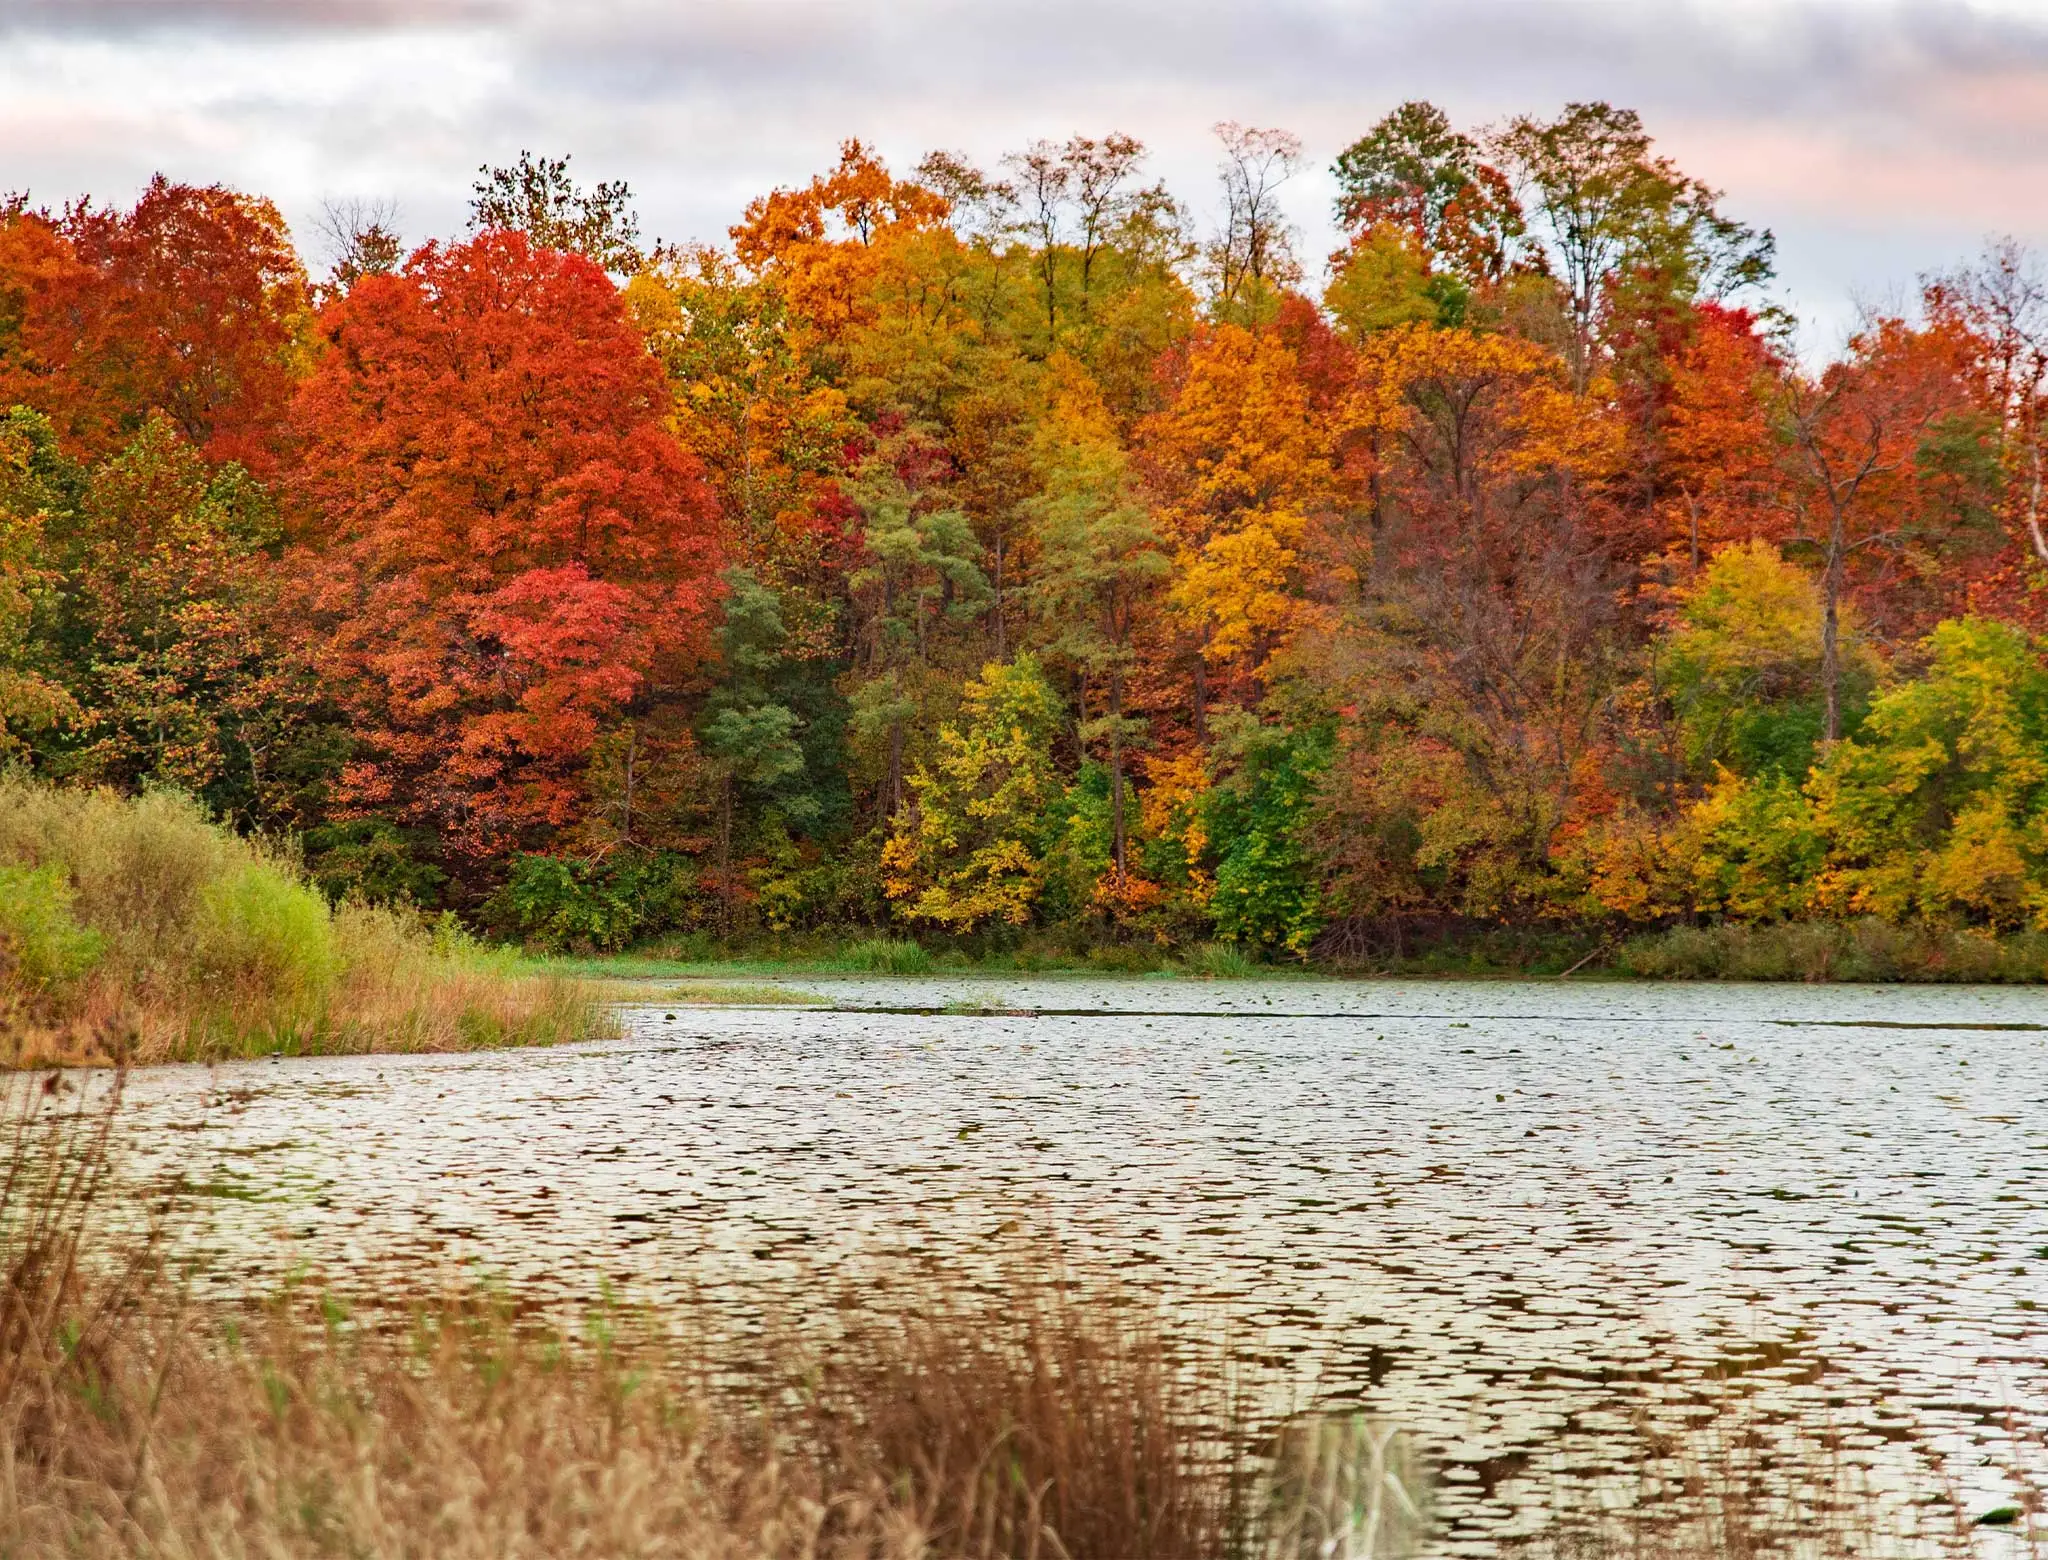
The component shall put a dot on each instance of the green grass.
(685, 959)
(712, 993)
(1863, 950)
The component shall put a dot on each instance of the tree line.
(990, 551)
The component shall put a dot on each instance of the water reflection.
(1491, 1212)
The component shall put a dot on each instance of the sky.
(1879, 139)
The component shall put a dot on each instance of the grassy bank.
(867, 953)
(1866, 950)
(135, 927)
(1863, 950)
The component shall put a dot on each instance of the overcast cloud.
(1878, 139)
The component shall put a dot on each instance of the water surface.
(1505, 1214)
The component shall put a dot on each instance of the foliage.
(599, 905)
(1742, 664)
(968, 850)
(1416, 175)
(192, 305)
(536, 196)
(1267, 890)
(1939, 805)
(44, 947)
(998, 553)
(374, 860)
(1865, 949)
(516, 552)
(885, 956)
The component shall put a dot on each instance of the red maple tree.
(509, 549)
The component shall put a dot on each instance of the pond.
(1506, 1215)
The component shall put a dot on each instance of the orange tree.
(191, 304)
(1475, 668)
(1892, 462)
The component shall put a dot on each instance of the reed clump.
(136, 926)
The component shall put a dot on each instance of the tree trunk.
(1116, 766)
(725, 855)
(1002, 636)
(1830, 630)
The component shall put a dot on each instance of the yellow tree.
(966, 852)
(1238, 467)
(752, 405)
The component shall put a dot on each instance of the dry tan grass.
(942, 1417)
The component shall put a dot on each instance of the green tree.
(918, 580)
(1742, 665)
(1612, 216)
(173, 641)
(1100, 561)
(1414, 174)
(1939, 805)
(1383, 281)
(747, 732)
(536, 196)
(1268, 886)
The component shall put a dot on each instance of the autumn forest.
(991, 553)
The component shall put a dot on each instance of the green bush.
(1268, 890)
(374, 860)
(1222, 961)
(47, 947)
(262, 932)
(599, 905)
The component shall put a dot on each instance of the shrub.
(265, 936)
(46, 947)
(1868, 949)
(598, 905)
(374, 860)
(136, 865)
(1222, 961)
(1127, 958)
